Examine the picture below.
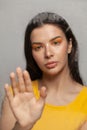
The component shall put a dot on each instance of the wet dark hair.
(54, 19)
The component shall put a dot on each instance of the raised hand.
(26, 108)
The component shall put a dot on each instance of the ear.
(70, 46)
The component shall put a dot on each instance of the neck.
(60, 82)
(61, 88)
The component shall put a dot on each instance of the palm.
(26, 106)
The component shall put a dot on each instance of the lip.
(51, 64)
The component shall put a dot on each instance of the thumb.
(43, 94)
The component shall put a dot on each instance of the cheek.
(37, 57)
(63, 52)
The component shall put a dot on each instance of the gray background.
(14, 16)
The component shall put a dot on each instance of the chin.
(52, 72)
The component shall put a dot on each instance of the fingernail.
(12, 74)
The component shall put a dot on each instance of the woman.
(50, 93)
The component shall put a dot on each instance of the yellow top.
(68, 117)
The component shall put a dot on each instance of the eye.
(57, 41)
(37, 47)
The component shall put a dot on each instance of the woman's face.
(50, 49)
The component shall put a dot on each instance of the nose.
(48, 51)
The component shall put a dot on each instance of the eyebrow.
(55, 38)
(49, 40)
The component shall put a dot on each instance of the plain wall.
(14, 16)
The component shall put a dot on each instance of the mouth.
(51, 64)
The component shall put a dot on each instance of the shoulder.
(80, 102)
(83, 99)
(35, 83)
(84, 94)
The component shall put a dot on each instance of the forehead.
(45, 33)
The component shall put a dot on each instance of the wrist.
(23, 127)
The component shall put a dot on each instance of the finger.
(14, 83)
(20, 80)
(28, 82)
(8, 93)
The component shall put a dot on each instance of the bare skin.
(26, 109)
(24, 100)
(55, 84)
(54, 48)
